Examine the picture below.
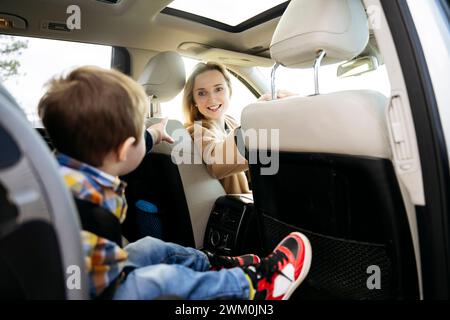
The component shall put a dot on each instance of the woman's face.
(211, 94)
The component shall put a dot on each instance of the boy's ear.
(124, 147)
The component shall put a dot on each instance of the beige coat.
(216, 145)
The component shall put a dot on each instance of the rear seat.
(40, 245)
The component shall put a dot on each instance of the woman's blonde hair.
(190, 111)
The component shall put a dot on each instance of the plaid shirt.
(104, 258)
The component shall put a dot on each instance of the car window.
(240, 98)
(301, 81)
(27, 64)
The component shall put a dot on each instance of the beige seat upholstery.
(200, 189)
(348, 122)
(335, 180)
(173, 176)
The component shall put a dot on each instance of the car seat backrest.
(198, 189)
(335, 181)
(40, 247)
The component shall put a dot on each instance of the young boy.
(95, 118)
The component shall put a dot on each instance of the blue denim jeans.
(165, 269)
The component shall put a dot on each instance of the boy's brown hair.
(92, 111)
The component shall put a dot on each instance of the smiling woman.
(240, 97)
(207, 94)
(211, 92)
(206, 99)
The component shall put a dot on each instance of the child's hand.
(159, 133)
(280, 95)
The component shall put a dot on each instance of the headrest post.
(272, 81)
(320, 55)
(150, 110)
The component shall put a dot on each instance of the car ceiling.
(134, 24)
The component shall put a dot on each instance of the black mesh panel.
(339, 266)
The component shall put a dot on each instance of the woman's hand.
(159, 133)
(280, 95)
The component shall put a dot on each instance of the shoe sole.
(306, 265)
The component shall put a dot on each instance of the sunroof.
(230, 12)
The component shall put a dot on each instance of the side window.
(27, 64)
(240, 97)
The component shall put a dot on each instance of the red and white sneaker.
(219, 262)
(280, 273)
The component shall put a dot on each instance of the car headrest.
(339, 27)
(163, 76)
